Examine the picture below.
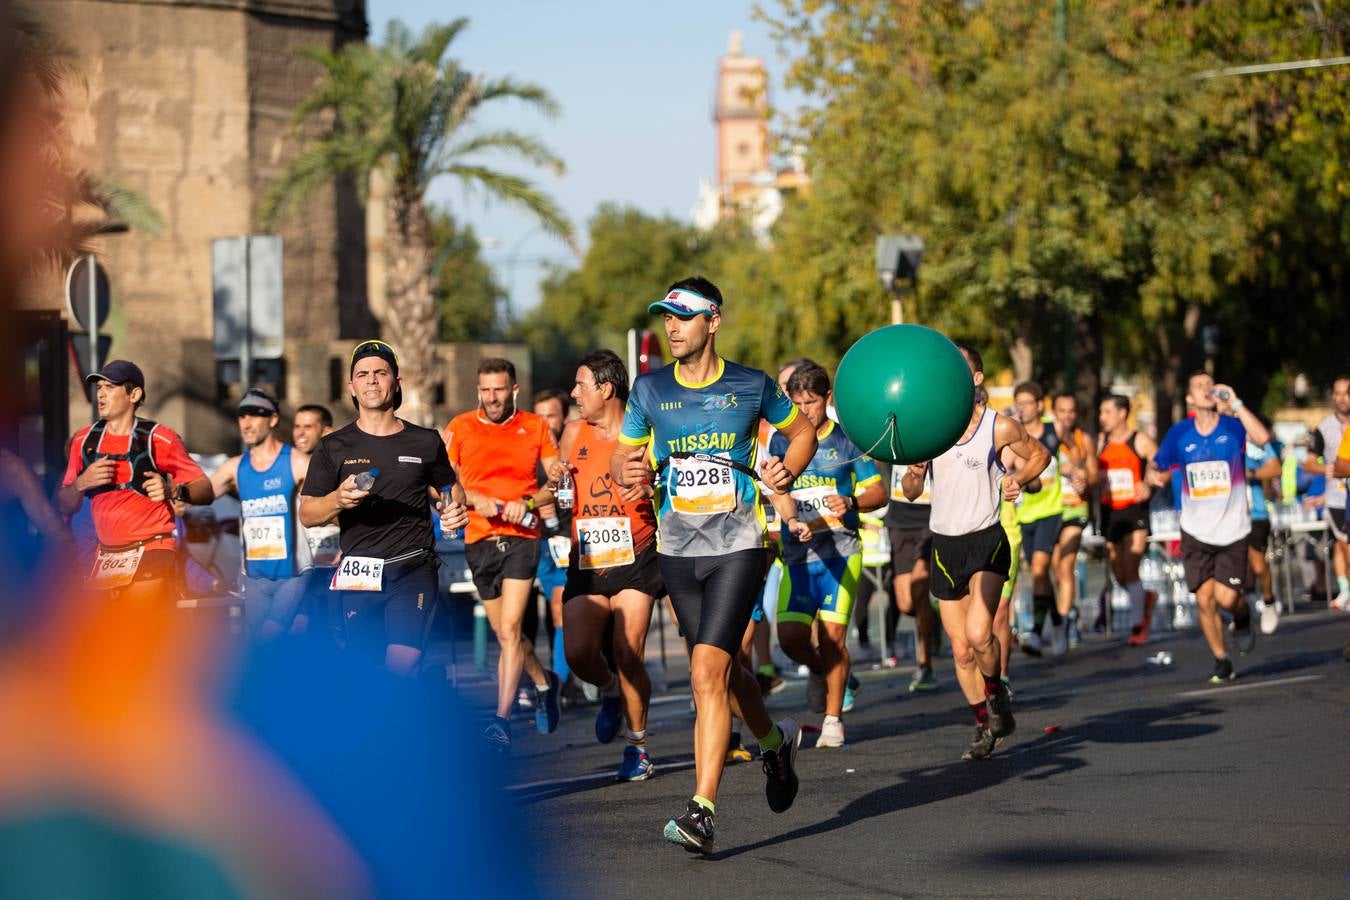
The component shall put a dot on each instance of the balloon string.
(892, 431)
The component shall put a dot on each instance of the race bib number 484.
(1208, 480)
(358, 573)
(699, 487)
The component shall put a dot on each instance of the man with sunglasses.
(497, 450)
(698, 421)
(267, 478)
(387, 574)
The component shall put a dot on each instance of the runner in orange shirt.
(132, 469)
(496, 451)
(613, 568)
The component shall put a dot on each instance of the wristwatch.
(180, 492)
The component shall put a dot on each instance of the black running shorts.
(1227, 565)
(399, 614)
(908, 546)
(1041, 536)
(713, 596)
(1119, 524)
(644, 574)
(1259, 538)
(957, 559)
(496, 558)
(1337, 523)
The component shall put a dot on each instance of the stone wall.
(189, 102)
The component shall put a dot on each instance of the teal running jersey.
(838, 467)
(705, 507)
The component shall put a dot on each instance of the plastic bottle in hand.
(529, 520)
(566, 493)
(453, 534)
(366, 480)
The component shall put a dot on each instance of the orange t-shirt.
(598, 504)
(500, 460)
(124, 517)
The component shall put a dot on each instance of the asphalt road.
(1124, 778)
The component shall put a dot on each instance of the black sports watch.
(180, 493)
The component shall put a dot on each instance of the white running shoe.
(1031, 643)
(831, 733)
(1341, 601)
(1270, 617)
(1059, 638)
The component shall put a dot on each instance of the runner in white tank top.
(970, 551)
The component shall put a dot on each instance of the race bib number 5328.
(358, 573)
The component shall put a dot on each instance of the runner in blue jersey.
(1262, 465)
(1210, 450)
(821, 548)
(267, 479)
(696, 422)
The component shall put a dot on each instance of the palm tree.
(401, 111)
(76, 206)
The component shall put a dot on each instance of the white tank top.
(967, 483)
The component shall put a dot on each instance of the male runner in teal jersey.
(697, 421)
(821, 547)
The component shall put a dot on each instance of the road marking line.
(594, 776)
(1249, 687)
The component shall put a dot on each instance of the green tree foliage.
(468, 298)
(405, 111)
(1085, 198)
(630, 260)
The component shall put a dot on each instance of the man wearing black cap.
(267, 480)
(377, 478)
(132, 469)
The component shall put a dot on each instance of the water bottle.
(528, 521)
(366, 480)
(566, 493)
(453, 534)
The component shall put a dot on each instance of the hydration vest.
(140, 454)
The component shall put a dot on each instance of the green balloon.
(904, 394)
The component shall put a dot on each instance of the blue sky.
(635, 81)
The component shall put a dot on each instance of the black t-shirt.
(900, 513)
(396, 518)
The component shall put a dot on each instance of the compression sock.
(705, 803)
(1343, 582)
(991, 685)
(773, 740)
(1040, 605)
(559, 654)
(981, 711)
(1056, 619)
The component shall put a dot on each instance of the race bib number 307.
(265, 538)
(358, 573)
(701, 488)
(1208, 480)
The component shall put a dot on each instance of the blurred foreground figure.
(143, 756)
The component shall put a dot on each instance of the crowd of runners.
(718, 489)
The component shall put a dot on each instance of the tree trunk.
(1089, 356)
(410, 323)
(1020, 353)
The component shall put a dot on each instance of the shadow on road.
(1044, 757)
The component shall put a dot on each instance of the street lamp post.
(897, 259)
